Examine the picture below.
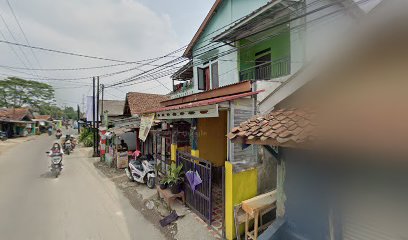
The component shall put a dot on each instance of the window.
(203, 78)
(214, 75)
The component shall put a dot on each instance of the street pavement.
(79, 204)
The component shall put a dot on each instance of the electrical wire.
(22, 31)
(76, 54)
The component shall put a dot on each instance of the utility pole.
(97, 117)
(102, 90)
(78, 118)
(93, 117)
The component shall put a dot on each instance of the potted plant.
(175, 178)
(164, 183)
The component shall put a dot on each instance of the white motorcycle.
(56, 163)
(67, 147)
(142, 170)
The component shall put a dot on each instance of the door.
(263, 67)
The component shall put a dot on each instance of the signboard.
(122, 160)
(145, 124)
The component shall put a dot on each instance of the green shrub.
(86, 137)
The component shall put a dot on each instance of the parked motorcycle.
(3, 136)
(142, 170)
(56, 163)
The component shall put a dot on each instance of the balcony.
(183, 84)
(266, 71)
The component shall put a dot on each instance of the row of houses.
(21, 122)
(260, 115)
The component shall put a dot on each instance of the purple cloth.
(194, 179)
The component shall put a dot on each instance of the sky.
(127, 30)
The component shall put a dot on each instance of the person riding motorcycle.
(56, 149)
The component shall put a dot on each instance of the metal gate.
(200, 201)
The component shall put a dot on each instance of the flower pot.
(175, 188)
(163, 185)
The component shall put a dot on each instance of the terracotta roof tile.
(284, 126)
(16, 114)
(142, 102)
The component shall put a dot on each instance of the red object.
(102, 142)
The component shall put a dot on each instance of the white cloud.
(122, 29)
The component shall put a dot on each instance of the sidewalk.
(10, 143)
(146, 201)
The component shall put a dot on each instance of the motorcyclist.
(56, 149)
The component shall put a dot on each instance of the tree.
(17, 92)
(70, 113)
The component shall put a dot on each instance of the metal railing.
(266, 71)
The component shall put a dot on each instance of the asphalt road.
(80, 204)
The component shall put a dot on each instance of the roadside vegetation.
(86, 137)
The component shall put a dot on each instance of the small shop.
(193, 135)
(119, 142)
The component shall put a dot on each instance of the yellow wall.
(238, 187)
(212, 142)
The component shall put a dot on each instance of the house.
(341, 169)
(208, 100)
(111, 110)
(43, 122)
(275, 41)
(17, 122)
(137, 102)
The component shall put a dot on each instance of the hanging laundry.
(194, 179)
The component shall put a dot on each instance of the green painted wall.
(280, 47)
(229, 11)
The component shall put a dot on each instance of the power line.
(251, 44)
(15, 39)
(13, 50)
(24, 35)
(136, 77)
(75, 54)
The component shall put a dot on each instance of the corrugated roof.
(113, 107)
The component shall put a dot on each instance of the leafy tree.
(70, 113)
(17, 92)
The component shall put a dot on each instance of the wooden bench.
(256, 207)
(170, 197)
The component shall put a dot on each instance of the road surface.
(80, 204)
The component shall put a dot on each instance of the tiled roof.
(43, 117)
(142, 102)
(281, 127)
(16, 114)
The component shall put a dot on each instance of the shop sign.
(146, 123)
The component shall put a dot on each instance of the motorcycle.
(56, 163)
(67, 147)
(3, 136)
(58, 134)
(142, 170)
(49, 131)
